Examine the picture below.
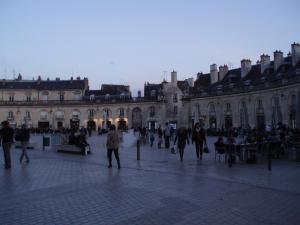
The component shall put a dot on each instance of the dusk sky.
(133, 41)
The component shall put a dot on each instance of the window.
(27, 115)
(175, 110)
(91, 113)
(61, 97)
(107, 96)
(44, 115)
(152, 111)
(121, 112)
(260, 104)
(10, 114)
(11, 98)
(228, 109)
(28, 98)
(175, 98)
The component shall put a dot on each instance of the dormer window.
(153, 93)
(92, 97)
(122, 95)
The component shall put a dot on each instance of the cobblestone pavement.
(61, 188)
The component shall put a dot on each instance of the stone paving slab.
(57, 188)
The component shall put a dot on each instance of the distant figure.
(73, 139)
(112, 145)
(89, 129)
(199, 138)
(7, 135)
(167, 134)
(160, 135)
(182, 138)
(152, 138)
(81, 142)
(24, 138)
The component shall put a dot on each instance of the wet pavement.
(62, 188)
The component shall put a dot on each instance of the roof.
(110, 89)
(233, 82)
(43, 84)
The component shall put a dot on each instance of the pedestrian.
(199, 138)
(160, 134)
(152, 138)
(182, 138)
(24, 138)
(7, 135)
(167, 134)
(112, 145)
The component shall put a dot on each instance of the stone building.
(266, 93)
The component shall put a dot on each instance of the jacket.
(24, 135)
(112, 140)
(7, 134)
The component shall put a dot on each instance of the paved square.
(60, 188)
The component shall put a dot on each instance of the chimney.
(174, 77)
(223, 70)
(78, 78)
(19, 77)
(86, 83)
(264, 62)
(278, 59)
(295, 53)
(245, 67)
(213, 73)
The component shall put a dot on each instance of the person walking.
(199, 138)
(112, 145)
(7, 135)
(167, 134)
(160, 134)
(181, 138)
(24, 138)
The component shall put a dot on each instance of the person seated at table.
(220, 145)
(72, 139)
(82, 143)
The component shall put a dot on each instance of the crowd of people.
(168, 136)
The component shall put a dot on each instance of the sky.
(136, 41)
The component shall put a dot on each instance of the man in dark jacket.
(7, 135)
(24, 138)
(199, 138)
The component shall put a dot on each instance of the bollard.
(138, 150)
(269, 158)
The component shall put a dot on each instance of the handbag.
(173, 150)
(206, 149)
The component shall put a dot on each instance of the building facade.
(267, 93)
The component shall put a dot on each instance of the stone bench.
(71, 148)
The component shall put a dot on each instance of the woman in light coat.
(112, 145)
